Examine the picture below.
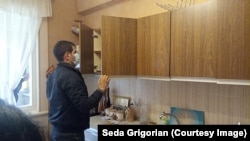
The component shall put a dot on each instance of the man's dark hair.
(15, 125)
(61, 47)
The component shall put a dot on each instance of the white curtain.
(19, 28)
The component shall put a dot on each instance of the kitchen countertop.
(101, 120)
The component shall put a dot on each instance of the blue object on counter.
(91, 134)
(187, 116)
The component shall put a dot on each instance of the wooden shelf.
(98, 52)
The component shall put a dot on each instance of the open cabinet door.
(86, 45)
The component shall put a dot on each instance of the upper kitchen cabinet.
(153, 45)
(233, 39)
(119, 45)
(193, 41)
(86, 45)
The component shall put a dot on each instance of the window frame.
(42, 54)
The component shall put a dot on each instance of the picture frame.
(121, 101)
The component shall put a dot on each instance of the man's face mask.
(77, 58)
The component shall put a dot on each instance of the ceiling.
(176, 4)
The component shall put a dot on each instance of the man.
(69, 112)
(16, 125)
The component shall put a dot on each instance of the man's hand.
(50, 70)
(103, 82)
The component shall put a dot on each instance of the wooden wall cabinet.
(86, 44)
(119, 37)
(233, 59)
(153, 45)
(193, 41)
(90, 49)
(209, 40)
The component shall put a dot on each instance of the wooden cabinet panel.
(233, 39)
(119, 38)
(193, 41)
(86, 44)
(153, 45)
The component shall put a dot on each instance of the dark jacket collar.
(69, 66)
(66, 64)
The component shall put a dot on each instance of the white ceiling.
(176, 4)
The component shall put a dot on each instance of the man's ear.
(66, 56)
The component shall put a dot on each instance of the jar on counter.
(130, 114)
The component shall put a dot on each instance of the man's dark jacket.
(69, 109)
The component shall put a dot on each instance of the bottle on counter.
(104, 102)
(108, 104)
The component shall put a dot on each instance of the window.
(19, 46)
(20, 24)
